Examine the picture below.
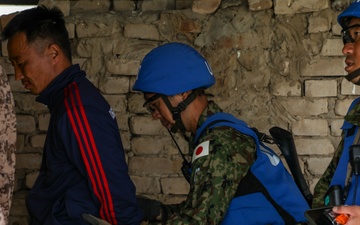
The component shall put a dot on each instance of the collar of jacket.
(50, 95)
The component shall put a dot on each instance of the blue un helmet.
(352, 11)
(172, 69)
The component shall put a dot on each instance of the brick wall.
(276, 62)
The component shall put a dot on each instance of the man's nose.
(348, 48)
(18, 74)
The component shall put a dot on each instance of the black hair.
(40, 23)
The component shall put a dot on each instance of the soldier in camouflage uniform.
(337, 173)
(7, 147)
(173, 78)
(222, 157)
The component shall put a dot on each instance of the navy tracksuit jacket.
(83, 168)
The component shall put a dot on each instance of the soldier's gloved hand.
(94, 220)
(152, 209)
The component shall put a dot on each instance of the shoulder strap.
(225, 119)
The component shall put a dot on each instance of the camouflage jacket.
(215, 176)
(7, 146)
(353, 117)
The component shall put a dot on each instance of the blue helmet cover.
(352, 11)
(172, 69)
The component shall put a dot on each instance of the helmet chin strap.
(176, 111)
(353, 75)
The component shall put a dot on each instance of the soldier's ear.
(185, 94)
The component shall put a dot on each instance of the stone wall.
(276, 63)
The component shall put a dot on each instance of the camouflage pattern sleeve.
(323, 184)
(215, 177)
(8, 145)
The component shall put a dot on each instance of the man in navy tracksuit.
(83, 168)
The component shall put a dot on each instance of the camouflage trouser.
(7, 147)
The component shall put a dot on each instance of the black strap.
(175, 111)
(353, 75)
(250, 184)
(351, 131)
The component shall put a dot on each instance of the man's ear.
(53, 51)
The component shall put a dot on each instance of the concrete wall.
(276, 62)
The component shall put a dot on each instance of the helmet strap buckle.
(176, 111)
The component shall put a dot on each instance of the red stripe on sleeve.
(84, 136)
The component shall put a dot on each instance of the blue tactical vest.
(339, 177)
(267, 194)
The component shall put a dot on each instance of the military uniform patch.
(201, 150)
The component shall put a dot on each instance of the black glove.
(151, 208)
